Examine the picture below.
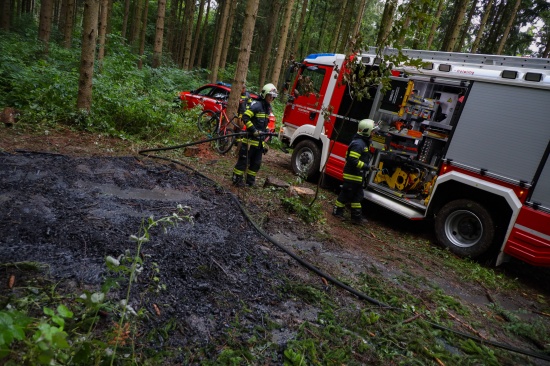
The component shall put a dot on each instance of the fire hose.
(314, 269)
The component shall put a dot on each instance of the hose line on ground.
(317, 271)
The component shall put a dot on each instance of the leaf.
(58, 320)
(64, 311)
(48, 311)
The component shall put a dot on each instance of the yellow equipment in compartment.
(400, 179)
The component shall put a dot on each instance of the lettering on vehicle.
(469, 72)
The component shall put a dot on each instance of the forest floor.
(70, 199)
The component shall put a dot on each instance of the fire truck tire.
(465, 227)
(306, 160)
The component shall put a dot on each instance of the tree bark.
(45, 26)
(508, 27)
(435, 23)
(125, 19)
(266, 49)
(136, 21)
(386, 23)
(188, 35)
(338, 26)
(196, 35)
(453, 31)
(482, 24)
(159, 33)
(244, 56)
(142, 34)
(5, 7)
(87, 56)
(282, 43)
(465, 27)
(69, 24)
(300, 31)
(228, 32)
(102, 29)
(346, 33)
(203, 35)
(219, 42)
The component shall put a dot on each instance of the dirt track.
(71, 212)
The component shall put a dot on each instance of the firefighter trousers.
(250, 160)
(352, 193)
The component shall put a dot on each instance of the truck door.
(307, 94)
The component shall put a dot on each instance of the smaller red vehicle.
(208, 96)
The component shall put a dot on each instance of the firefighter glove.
(256, 133)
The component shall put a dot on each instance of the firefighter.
(244, 102)
(357, 161)
(253, 145)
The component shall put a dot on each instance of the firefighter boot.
(237, 180)
(250, 180)
(338, 212)
(357, 217)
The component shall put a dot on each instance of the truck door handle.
(312, 115)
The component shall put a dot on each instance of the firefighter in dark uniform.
(253, 146)
(357, 161)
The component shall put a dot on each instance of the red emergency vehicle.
(464, 140)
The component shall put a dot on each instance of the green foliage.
(76, 337)
(307, 212)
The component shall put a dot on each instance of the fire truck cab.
(464, 140)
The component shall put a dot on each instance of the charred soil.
(69, 200)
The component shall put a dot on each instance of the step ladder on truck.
(464, 140)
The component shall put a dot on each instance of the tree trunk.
(196, 35)
(69, 24)
(159, 34)
(266, 49)
(203, 35)
(227, 37)
(386, 23)
(452, 33)
(465, 27)
(508, 27)
(219, 42)
(125, 19)
(346, 33)
(435, 23)
(338, 26)
(496, 21)
(282, 43)
(188, 34)
(244, 56)
(87, 56)
(136, 21)
(102, 29)
(482, 24)
(5, 8)
(300, 31)
(142, 34)
(359, 19)
(45, 27)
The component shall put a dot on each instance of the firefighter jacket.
(357, 159)
(256, 118)
(244, 103)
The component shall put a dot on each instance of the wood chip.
(11, 281)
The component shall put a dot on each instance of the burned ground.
(66, 202)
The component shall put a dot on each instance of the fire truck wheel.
(465, 227)
(306, 160)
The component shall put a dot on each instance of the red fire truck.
(464, 140)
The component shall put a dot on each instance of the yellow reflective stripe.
(360, 164)
(251, 142)
(339, 204)
(261, 115)
(249, 124)
(355, 178)
(355, 205)
(251, 172)
(354, 154)
(249, 113)
(237, 171)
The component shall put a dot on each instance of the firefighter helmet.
(269, 89)
(365, 127)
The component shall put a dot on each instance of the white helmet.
(365, 127)
(269, 89)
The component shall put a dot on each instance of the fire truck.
(463, 140)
